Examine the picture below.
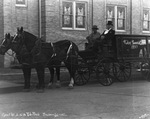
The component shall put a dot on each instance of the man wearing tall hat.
(107, 37)
(93, 37)
(108, 34)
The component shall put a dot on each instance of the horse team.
(33, 52)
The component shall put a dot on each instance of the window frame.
(148, 21)
(21, 5)
(115, 18)
(74, 15)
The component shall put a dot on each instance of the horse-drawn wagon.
(129, 51)
(111, 62)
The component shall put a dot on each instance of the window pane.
(145, 26)
(110, 12)
(80, 15)
(121, 12)
(120, 18)
(120, 24)
(67, 14)
(20, 2)
(146, 20)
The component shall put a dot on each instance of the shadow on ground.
(8, 90)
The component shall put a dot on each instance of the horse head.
(24, 38)
(19, 37)
(6, 44)
(18, 40)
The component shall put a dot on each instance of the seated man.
(92, 37)
(108, 34)
(107, 37)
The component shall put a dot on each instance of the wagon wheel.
(145, 68)
(122, 71)
(82, 75)
(104, 71)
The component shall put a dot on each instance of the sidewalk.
(16, 75)
(16, 71)
(10, 74)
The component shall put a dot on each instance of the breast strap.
(54, 53)
(69, 49)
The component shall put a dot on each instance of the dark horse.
(32, 52)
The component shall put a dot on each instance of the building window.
(80, 15)
(116, 14)
(74, 15)
(67, 14)
(21, 3)
(120, 18)
(110, 14)
(146, 19)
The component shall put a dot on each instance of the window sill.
(76, 29)
(20, 5)
(145, 31)
(122, 31)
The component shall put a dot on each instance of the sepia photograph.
(74, 59)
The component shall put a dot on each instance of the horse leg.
(41, 75)
(71, 66)
(58, 85)
(27, 75)
(51, 69)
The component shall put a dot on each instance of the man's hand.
(102, 37)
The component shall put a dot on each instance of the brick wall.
(136, 17)
(99, 14)
(16, 16)
(53, 24)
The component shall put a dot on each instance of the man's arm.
(89, 38)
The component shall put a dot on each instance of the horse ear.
(8, 35)
(21, 29)
(5, 35)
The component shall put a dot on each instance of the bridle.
(19, 43)
(3, 40)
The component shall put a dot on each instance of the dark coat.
(109, 37)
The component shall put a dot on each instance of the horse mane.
(30, 35)
(30, 40)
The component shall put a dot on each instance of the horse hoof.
(70, 86)
(50, 86)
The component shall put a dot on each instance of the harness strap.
(3, 40)
(69, 49)
(54, 53)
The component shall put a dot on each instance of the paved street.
(128, 100)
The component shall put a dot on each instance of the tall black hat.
(109, 23)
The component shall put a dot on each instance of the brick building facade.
(1, 30)
(73, 19)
